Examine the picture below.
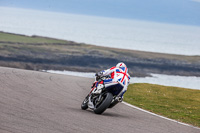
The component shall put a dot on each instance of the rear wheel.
(84, 104)
(113, 104)
(104, 103)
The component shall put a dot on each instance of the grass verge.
(176, 103)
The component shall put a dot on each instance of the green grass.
(176, 103)
(7, 37)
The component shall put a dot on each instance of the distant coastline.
(43, 53)
(102, 31)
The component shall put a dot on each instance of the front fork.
(93, 86)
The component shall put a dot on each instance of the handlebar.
(102, 77)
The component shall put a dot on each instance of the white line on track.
(158, 115)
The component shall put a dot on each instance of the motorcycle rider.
(118, 78)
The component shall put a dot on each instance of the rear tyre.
(107, 99)
(113, 104)
(84, 104)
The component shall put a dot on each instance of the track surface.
(37, 102)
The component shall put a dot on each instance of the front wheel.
(105, 103)
(84, 104)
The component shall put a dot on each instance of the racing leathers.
(119, 78)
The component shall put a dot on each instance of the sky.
(185, 12)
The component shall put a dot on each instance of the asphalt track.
(38, 102)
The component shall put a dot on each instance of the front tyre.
(84, 104)
(107, 99)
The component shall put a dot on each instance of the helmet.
(121, 65)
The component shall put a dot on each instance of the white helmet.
(121, 65)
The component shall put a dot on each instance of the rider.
(119, 79)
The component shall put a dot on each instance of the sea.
(102, 31)
(110, 32)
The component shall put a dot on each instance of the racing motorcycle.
(108, 98)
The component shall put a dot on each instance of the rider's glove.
(99, 74)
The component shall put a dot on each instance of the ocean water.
(189, 82)
(101, 31)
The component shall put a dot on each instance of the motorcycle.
(108, 98)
